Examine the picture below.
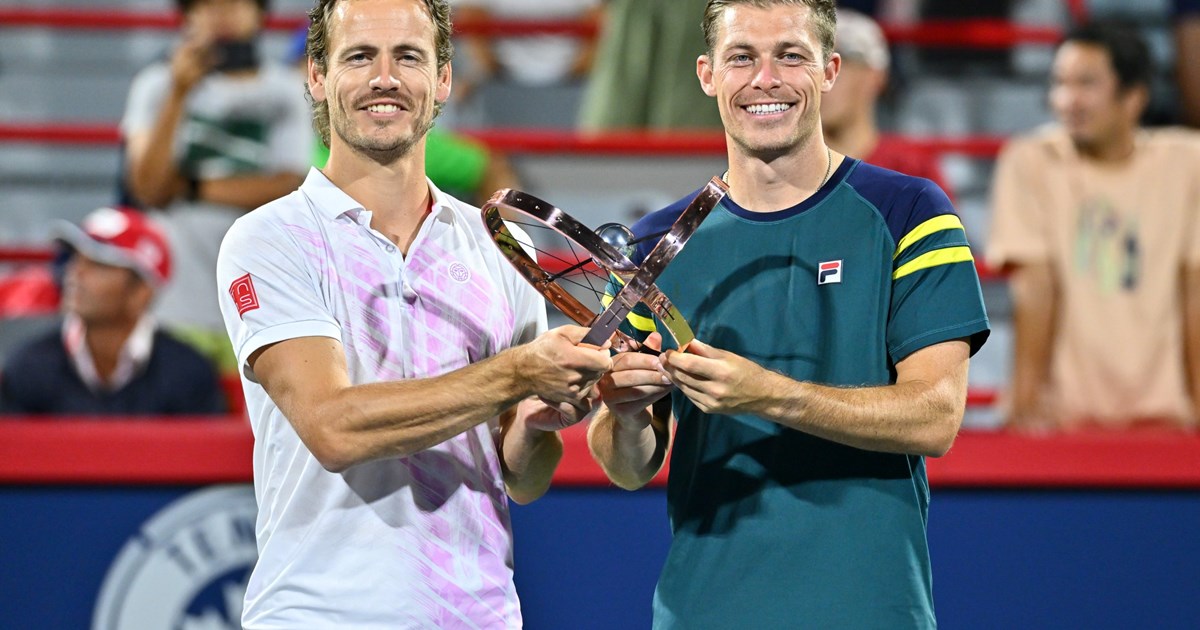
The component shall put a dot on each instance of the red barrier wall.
(213, 450)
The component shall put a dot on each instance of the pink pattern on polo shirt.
(456, 532)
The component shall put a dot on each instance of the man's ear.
(832, 68)
(316, 81)
(1135, 100)
(444, 82)
(141, 296)
(704, 72)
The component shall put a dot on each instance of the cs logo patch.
(244, 297)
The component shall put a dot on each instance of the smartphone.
(233, 55)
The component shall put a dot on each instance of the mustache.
(404, 102)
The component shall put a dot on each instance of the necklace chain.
(828, 167)
(824, 180)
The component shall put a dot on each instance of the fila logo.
(244, 297)
(829, 272)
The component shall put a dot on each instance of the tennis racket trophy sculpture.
(574, 263)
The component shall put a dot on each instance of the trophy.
(571, 265)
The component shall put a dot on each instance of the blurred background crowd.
(131, 138)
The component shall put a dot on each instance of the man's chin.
(766, 149)
(382, 150)
(386, 154)
(1084, 142)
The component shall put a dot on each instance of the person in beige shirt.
(1098, 221)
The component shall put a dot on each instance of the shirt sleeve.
(936, 295)
(269, 289)
(1018, 231)
(146, 94)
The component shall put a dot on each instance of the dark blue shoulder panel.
(903, 201)
(657, 223)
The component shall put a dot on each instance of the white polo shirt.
(411, 542)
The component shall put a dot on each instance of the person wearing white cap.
(848, 110)
(110, 358)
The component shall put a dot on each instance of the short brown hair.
(317, 49)
(824, 18)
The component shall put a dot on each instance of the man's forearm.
(1034, 305)
(248, 192)
(920, 414)
(1191, 319)
(529, 456)
(917, 418)
(343, 424)
(152, 175)
(630, 456)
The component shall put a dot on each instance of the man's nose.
(767, 75)
(383, 75)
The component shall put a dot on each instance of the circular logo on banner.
(187, 568)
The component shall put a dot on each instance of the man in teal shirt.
(836, 306)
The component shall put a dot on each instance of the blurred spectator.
(848, 116)
(110, 357)
(1186, 18)
(539, 59)
(212, 133)
(644, 75)
(1097, 219)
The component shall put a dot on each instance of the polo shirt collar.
(332, 202)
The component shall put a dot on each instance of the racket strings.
(575, 265)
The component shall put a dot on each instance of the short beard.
(383, 153)
(769, 153)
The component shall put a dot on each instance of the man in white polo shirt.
(397, 375)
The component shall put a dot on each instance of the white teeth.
(382, 109)
(772, 108)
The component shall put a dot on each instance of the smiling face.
(767, 71)
(382, 81)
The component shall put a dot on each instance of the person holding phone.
(212, 132)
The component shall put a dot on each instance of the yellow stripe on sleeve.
(934, 258)
(936, 224)
(644, 324)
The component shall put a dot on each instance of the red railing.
(522, 140)
(219, 450)
(984, 33)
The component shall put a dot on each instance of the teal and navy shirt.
(772, 527)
